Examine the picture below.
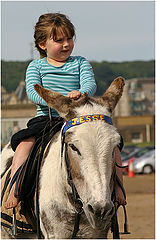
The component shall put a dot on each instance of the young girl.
(57, 70)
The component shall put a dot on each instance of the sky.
(113, 31)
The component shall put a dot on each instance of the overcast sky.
(105, 30)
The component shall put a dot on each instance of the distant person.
(54, 39)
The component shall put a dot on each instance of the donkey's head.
(90, 147)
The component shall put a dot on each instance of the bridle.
(87, 118)
(75, 196)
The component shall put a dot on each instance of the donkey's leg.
(56, 223)
(43, 230)
(55, 228)
(46, 221)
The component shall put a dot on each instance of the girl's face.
(60, 49)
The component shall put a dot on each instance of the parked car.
(145, 164)
(126, 155)
(135, 154)
(130, 148)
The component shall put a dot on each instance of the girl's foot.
(11, 201)
(119, 195)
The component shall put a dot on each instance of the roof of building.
(20, 91)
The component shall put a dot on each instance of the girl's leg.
(20, 156)
(119, 194)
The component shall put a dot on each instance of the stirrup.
(14, 226)
(126, 222)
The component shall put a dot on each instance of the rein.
(75, 196)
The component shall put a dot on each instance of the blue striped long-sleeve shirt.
(75, 74)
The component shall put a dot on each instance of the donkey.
(76, 177)
(90, 147)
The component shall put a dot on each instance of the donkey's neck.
(53, 181)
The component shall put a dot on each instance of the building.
(21, 93)
(134, 114)
(16, 110)
(138, 98)
(136, 129)
(14, 118)
(17, 97)
(4, 96)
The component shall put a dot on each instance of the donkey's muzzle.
(99, 215)
(101, 211)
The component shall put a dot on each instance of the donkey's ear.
(55, 100)
(112, 95)
(63, 105)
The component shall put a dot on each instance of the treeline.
(105, 72)
(12, 74)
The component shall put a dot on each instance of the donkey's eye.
(74, 148)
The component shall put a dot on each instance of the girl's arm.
(87, 81)
(33, 77)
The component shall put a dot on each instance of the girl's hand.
(74, 94)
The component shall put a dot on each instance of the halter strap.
(88, 118)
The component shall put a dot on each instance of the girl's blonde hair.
(48, 26)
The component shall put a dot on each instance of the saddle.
(26, 188)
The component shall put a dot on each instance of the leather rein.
(75, 196)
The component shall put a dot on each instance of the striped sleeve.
(33, 77)
(87, 81)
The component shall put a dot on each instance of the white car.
(145, 164)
